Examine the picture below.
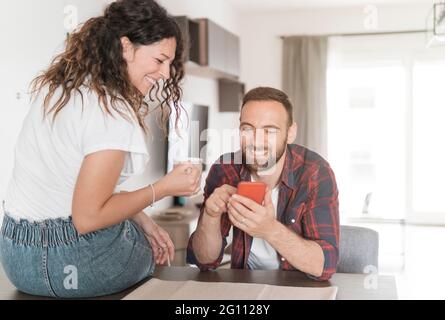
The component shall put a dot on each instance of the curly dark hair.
(94, 58)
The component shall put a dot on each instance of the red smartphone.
(252, 190)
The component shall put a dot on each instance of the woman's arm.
(94, 205)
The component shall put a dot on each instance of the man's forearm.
(207, 239)
(305, 255)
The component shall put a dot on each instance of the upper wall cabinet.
(213, 51)
(190, 32)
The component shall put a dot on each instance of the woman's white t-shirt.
(48, 154)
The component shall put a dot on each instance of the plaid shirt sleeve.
(321, 219)
(215, 178)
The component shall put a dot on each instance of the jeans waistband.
(51, 232)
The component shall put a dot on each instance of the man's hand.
(254, 219)
(207, 238)
(216, 203)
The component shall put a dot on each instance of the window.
(428, 170)
(366, 142)
(385, 113)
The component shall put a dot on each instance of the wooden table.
(350, 286)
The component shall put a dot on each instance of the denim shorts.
(49, 258)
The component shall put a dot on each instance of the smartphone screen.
(252, 190)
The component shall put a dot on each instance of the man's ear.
(127, 49)
(292, 133)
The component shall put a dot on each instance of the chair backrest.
(359, 250)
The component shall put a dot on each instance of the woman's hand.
(183, 180)
(162, 245)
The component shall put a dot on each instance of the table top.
(350, 286)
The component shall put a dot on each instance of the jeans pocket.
(23, 267)
(129, 231)
(137, 236)
(101, 235)
(133, 233)
(116, 258)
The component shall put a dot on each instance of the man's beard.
(252, 163)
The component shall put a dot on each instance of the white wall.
(31, 32)
(261, 46)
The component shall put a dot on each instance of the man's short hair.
(270, 94)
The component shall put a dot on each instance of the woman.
(67, 230)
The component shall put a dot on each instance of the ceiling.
(282, 5)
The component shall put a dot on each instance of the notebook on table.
(156, 289)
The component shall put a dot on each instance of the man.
(297, 225)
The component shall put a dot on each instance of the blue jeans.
(50, 258)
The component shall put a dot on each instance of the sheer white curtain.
(304, 80)
(368, 90)
(385, 131)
